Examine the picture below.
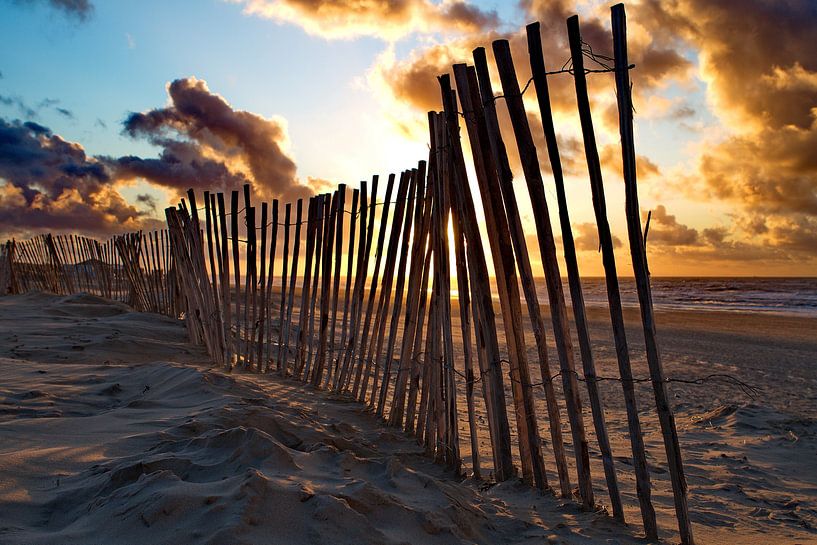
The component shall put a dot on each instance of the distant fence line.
(389, 343)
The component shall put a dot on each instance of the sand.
(114, 430)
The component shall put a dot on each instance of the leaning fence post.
(533, 466)
(485, 332)
(547, 247)
(642, 279)
(283, 306)
(384, 216)
(296, 250)
(337, 385)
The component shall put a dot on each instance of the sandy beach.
(113, 429)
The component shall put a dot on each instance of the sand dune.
(113, 430)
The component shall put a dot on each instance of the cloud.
(78, 9)
(408, 86)
(760, 82)
(148, 200)
(770, 241)
(387, 19)
(762, 85)
(586, 238)
(19, 104)
(610, 157)
(33, 112)
(48, 183)
(206, 143)
(666, 230)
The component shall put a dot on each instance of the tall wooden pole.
(384, 215)
(642, 279)
(485, 331)
(347, 296)
(284, 271)
(533, 467)
(547, 247)
(361, 272)
(293, 276)
(333, 352)
(486, 106)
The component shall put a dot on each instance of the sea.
(786, 296)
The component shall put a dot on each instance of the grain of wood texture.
(279, 353)
(533, 467)
(376, 346)
(547, 248)
(360, 361)
(347, 296)
(296, 250)
(641, 272)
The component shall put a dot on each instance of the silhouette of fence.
(373, 320)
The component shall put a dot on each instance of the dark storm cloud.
(207, 143)
(50, 183)
(78, 9)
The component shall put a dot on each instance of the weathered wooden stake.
(547, 247)
(642, 279)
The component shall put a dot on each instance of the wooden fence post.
(422, 222)
(376, 345)
(283, 306)
(485, 104)
(416, 187)
(306, 286)
(320, 219)
(347, 296)
(533, 469)
(384, 216)
(326, 294)
(547, 247)
(338, 254)
(296, 250)
(363, 247)
(271, 275)
(640, 270)
(485, 330)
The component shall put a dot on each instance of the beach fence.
(367, 308)
(134, 268)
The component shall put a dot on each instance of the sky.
(110, 111)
